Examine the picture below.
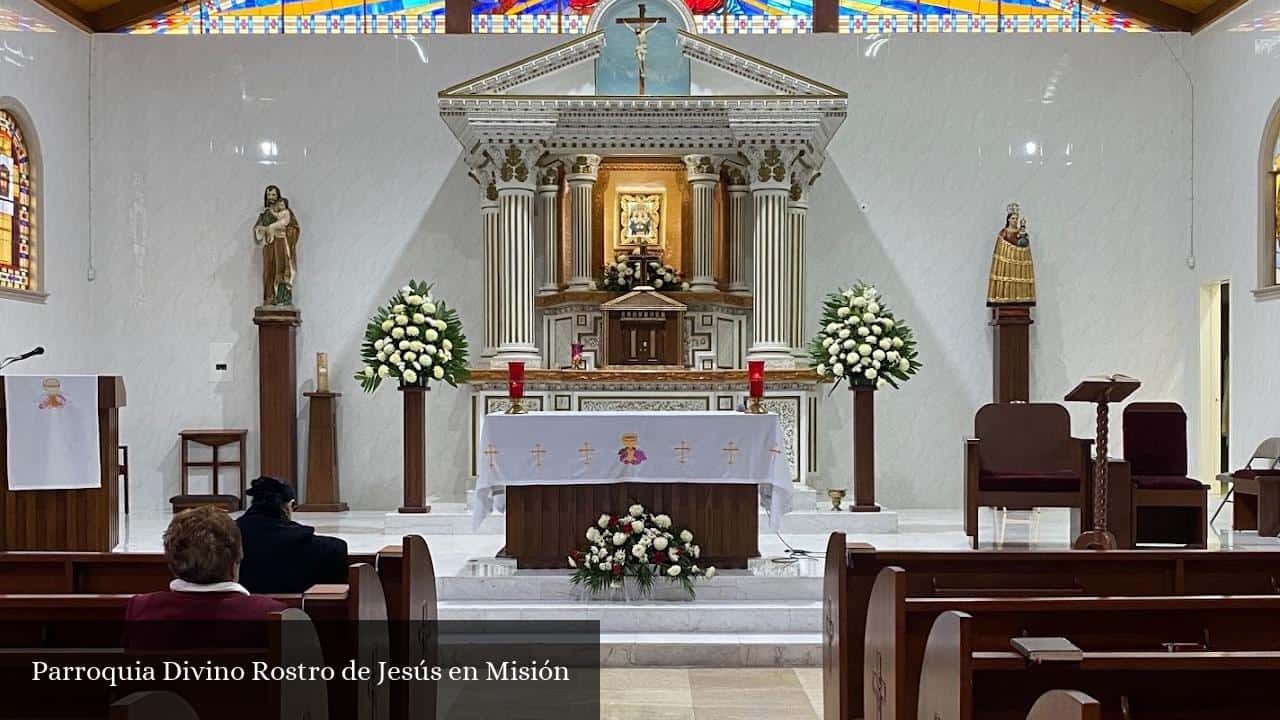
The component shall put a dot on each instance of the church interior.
(382, 327)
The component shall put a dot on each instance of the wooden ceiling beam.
(119, 15)
(69, 12)
(1207, 16)
(1153, 12)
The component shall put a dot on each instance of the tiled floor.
(711, 694)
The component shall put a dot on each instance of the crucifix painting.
(641, 24)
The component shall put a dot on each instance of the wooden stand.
(322, 454)
(277, 392)
(864, 450)
(1011, 359)
(1102, 392)
(75, 520)
(215, 440)
(415, 450)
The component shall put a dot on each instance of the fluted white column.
(770, 193)
(489, 220)
(740, 215)
(703, 176)
(797, 218)
(581, 175)
(516, 331)
(549, 227)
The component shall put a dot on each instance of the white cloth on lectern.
(53, 432)
(554, 448)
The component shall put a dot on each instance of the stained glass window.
(969, 16)
(17, 210)
(306, 17)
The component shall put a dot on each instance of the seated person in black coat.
(280, 555)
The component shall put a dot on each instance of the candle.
(322, 372)
(575, 355)
(515, 380)
(755, 378)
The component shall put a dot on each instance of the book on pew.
(1047, 649)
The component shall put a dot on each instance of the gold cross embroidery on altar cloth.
(730, 452)
(537, 452)
(491, 452)
(586, 451)
(683, 450)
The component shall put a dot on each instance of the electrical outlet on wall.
(220, 363)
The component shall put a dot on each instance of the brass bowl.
(836, 496)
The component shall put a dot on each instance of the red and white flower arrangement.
(638, 546)
(624, 274)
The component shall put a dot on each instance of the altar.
(609, 164)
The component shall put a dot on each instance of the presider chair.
(1023, 456)
(1167, 506)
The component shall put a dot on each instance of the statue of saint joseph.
(276, 232)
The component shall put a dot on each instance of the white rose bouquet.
(861, 342)
(624, 274)
(414, 339)
(640, 546)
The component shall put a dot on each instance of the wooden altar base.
(546, 522)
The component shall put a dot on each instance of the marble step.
(534, 586)
(654, 617)
(723, 650)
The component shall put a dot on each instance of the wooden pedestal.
(546, 522)
(864, 450)
(1011, 359)
(322, 454)
(70, 520)
(415, 450)
(278, 392)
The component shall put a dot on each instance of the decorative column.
(549, 227)
(489, 218)
(740, 212)
(515, 257)
(797, 217)
(581, 176)
(278, 391)
(770, 193)
(703, 176)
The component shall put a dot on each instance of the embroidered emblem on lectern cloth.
(53, 397)
(629, 454)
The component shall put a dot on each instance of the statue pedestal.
(277, 391)
(322, 454)
(1011, 359)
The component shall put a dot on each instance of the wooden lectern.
(1101, 390)
(73, 520)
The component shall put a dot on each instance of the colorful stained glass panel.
(17, 220)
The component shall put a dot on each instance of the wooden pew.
(961, 682)
(292, 640)
(851, 570)
(409, 584)
(352, 620)
(898, 627)
(1065, 705)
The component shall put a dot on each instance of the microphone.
(38, 350)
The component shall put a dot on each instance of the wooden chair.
(1167, 506)
(1244, 485)
(1023, 456)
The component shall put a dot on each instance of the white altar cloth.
(582, 448)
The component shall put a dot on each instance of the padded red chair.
(1168, 506)
(1024, 456)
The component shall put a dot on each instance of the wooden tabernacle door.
(546, 522)
(644, 328)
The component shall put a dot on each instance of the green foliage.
(414, 333)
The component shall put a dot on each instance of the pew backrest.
(1065, 705)
(946, 691)
(884, 660)
(152, 705)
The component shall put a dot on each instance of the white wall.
(45, 75)
(934, 147)
(1237, 75)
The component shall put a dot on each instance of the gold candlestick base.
(516, 408)
(836, 497)
(755, 406)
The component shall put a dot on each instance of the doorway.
(1215, 381)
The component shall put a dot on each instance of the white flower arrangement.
(624, 274)
(414, 339)
(861, 342)
(639, 546)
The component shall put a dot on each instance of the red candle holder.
(515, 388)
(755, 386)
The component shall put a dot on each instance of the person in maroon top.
(205, 605)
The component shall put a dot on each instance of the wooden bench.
(851, 570)
(292, 640)
(961, 682)
(898, 627)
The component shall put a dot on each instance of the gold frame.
(654, 202)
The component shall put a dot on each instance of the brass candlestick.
(836, 497)
(515, 408)
(322, 372)
(756, 407)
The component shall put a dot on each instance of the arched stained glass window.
(18, 255)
